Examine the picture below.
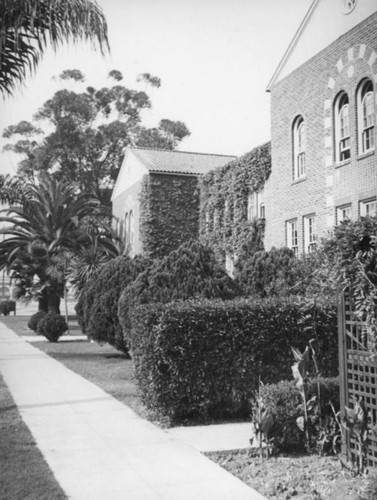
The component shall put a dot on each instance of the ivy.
(169, 212)
(223, 203)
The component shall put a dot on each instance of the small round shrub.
(52, 326)
(35, 319)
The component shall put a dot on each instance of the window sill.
(340, 164)
(300, 179)
(365, 155)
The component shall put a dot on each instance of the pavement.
(99, 449)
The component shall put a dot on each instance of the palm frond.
(26, 27)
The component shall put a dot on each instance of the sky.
(214, 58)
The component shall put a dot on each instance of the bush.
(189, 272)
(7, 306)
(204, 359)
(98, 304)
(269, 273)
(35, 319)
(285, 403)
(52, 326)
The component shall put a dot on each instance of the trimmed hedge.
(191, 271)
(35, 319)
(203, 359)
(98, 304)
(285, 403)
(52, 326)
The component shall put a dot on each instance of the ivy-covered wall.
(224, 201)
(169, 212)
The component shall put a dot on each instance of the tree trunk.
(43, 301)
(53, 303)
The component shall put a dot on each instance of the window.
(255, 205)
(299, 160)
(292, 236)
(368, 208)
(365, 109)
(343, 213)
(131, 228)
(126, 230)
(310, 236)
(342, 128)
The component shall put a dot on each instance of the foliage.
(35, 319)
(204, 359)
(223, 204)
(98, 303)
(266, 273)
(7, 306)
(52, 326)
(189, 272)
(44, 229)
(168, 212)
(284, 401)
(351, 264)
(82, 134)
(28, 25)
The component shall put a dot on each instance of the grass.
(24, 474)
(106, 367)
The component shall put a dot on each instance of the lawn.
(24, 474)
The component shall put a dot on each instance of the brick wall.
(310, 91)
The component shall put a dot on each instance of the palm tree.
(44, 228)
(27, 25)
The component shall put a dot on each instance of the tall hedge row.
(98, 304)
(189, 272)
(204, 359)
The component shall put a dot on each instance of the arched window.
(131, 228)
(365, 116)
(126, 230)
(299, 160)
(342, 128)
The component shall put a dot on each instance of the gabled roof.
(179, 162)
(293, 44)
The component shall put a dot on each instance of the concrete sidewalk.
(97, 447)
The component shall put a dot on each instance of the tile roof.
(159, 160)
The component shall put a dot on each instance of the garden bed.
(298, 477)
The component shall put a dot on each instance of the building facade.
(156, 198)
(323, 125)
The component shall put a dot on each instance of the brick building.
(156, 197)
(323, 125)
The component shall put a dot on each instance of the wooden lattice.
(358, 373)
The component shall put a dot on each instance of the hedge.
(204, 359)
(98, 304)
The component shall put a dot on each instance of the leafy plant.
(52, 326)
(35, 319)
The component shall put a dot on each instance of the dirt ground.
(305, 477)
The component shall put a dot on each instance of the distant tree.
(87, 134)
(27, 25)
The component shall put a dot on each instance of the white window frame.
(368, 208)
(299, 148)
(343, 213)
(292, 235)
(310, 234)
(342, 128)
(366, 117)
(256, 205)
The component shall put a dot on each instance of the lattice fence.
(358, 373)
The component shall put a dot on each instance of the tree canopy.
(80, 136)
(26, 26)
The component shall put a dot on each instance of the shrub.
(7, 306)
(35, 319)
(189, 272)
(52, 326)
(204, 359)
(285, 403)
(98, 304)
(269, 273)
